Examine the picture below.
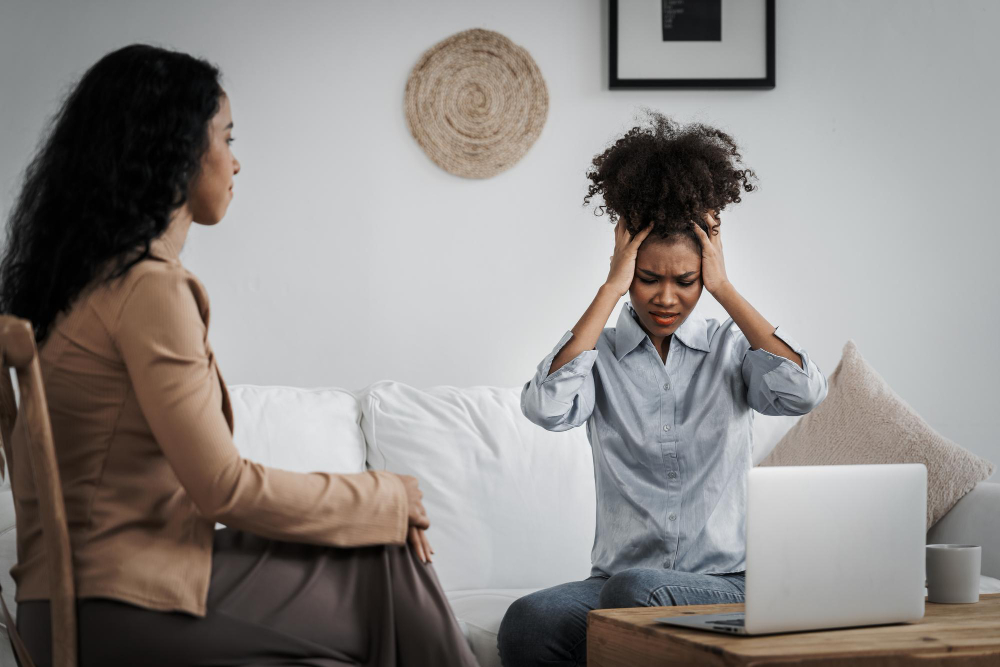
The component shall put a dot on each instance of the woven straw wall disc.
(476, 102)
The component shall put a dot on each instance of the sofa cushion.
(862, 420)
(988, 585)
(768, 430)
(511, 504)
(479, 614)
(302, 430)
(8, 557)
(8, 548)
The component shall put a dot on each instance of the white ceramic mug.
(953, 572)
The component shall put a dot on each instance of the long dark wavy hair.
(668, 174)
(116, 160)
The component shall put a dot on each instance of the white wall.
(349, 257)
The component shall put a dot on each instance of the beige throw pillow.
(862, 420)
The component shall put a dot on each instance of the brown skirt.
(276, 603)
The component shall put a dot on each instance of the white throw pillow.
(302, 430)
(511, 504)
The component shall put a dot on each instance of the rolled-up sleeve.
(564, 399)
(778, 386)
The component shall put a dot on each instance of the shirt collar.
(692, 333)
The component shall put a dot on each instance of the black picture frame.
(765, 83)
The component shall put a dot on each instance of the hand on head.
(713, 265)
(623, 260)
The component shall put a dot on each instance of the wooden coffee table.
(952, 634)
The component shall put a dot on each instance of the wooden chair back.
(31, 418)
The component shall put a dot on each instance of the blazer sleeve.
(162, 334)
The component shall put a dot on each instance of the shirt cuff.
(796, 348)
(581, 364)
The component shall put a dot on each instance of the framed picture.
(692, 44)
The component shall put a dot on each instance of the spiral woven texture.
(476, 102)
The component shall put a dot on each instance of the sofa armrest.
(975, 519)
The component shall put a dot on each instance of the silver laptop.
(830, 547)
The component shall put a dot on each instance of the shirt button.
(666, 428)
(672, 517)
(666, 385)
(671, 474)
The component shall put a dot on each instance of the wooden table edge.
(691, 644)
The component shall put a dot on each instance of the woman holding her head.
(667, 395)
(313, 569)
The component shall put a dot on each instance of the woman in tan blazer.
(313, 569)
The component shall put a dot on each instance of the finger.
(424, 556)
(700, 232)
(642, 234)
(424, 546)
(427, 545)
(420, 520)
(418, 546)
(708, 244)
(717, 235)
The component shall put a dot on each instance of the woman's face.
(211, 192)
(666, 286)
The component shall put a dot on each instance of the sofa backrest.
(511, 505)
(302, 430)
(767, 431)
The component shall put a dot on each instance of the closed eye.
(650, 281)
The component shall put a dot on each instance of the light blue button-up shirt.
(671, 442)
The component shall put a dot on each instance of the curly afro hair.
(668, 174)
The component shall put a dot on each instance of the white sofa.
(511, 505)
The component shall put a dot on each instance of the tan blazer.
(143, 433)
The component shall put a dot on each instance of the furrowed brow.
(682, 276)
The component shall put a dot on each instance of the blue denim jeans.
(550, 627)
